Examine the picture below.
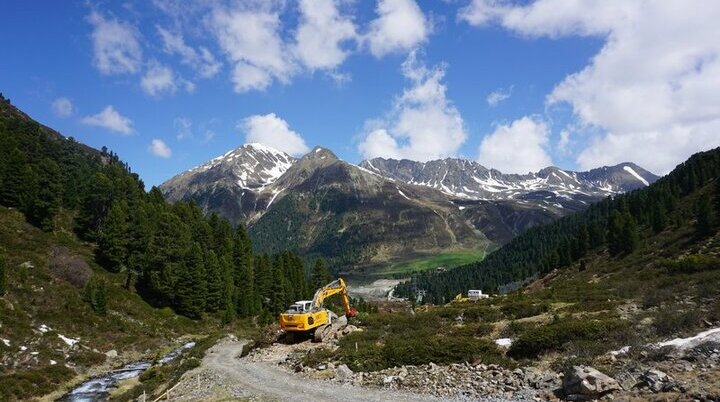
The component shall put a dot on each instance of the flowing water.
(98, 388)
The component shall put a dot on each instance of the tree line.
(615, 223)
(173, 255)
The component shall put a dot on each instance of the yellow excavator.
(310, 316)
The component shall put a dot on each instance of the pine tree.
(3, 276)
(659, 217)
(247, 299)
(95, 205)
(320, 274)
(215, 285)
(190, 288)
(164, 258)
(228, 291)
(629, 237)
(615, 232)
(113, 238)
(704, 216)
(48, 200)
(12, 178)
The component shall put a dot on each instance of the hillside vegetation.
(664, 286)
(616, 226)
(90, 261)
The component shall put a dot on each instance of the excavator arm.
(335, 287)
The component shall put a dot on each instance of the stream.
(98, 388)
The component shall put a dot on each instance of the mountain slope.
(614, 226)
(232, 184)
(466, 179)
(326, 206)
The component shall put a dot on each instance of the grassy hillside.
(48, 277)
(666, 287)
(616, 225)
(447, 259)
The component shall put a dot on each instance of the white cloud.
(183, 127)
(273, 131)
(115, 45)
(654, 87)
(110, 119)
(63, 107)
(251, 39)
(564, 142)
(423, 124)
(202, 60)
(499, 95)
(159, 79)
(518, 147)
(321, 34)
(400, 26)
(158, 148)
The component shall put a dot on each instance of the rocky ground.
(680, 370)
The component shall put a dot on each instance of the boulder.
(657, 381)
(584, 383)
(343, 373)
(111, 354)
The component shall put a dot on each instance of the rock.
(322, 367)
(348, 329)
(388, 379)
(27, 265)
(111, 354)
(657, 381)
(343, 373)
(584, 383)
(627, 381)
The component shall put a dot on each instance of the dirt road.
(223, 375)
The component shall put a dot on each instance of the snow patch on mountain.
(634, 173)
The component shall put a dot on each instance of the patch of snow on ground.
(53, 362)
(6, 342)
(504, 342)
(68, 341)
(403, 194)
(23, 348)
(622, 351)
(44, 328)
(691, 342)
(637, 176)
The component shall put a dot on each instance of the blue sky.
(517, 86)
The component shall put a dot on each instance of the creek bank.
(98, 388)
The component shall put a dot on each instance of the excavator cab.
(302, 306)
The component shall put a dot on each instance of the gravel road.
(223, 375)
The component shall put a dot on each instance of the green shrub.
(692, 263)
(87, 358)
(524, 308)
(669, 321)
(27, 384)
(554, 336)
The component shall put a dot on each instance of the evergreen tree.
(190, 291)
(49, 195)
(246, 297)
(165, 257)
(215, 283)
(113, 238)
(95, 293)
(659, 217)
(3, 276)
(12, 178)
(228, 291)
(615, 232)
(320, 274)
(704, 216)
(95, 204)
(630, 237)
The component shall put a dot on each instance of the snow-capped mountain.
(464, 179)
(232, 184)
(385, 209)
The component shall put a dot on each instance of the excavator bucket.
(351, 313)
